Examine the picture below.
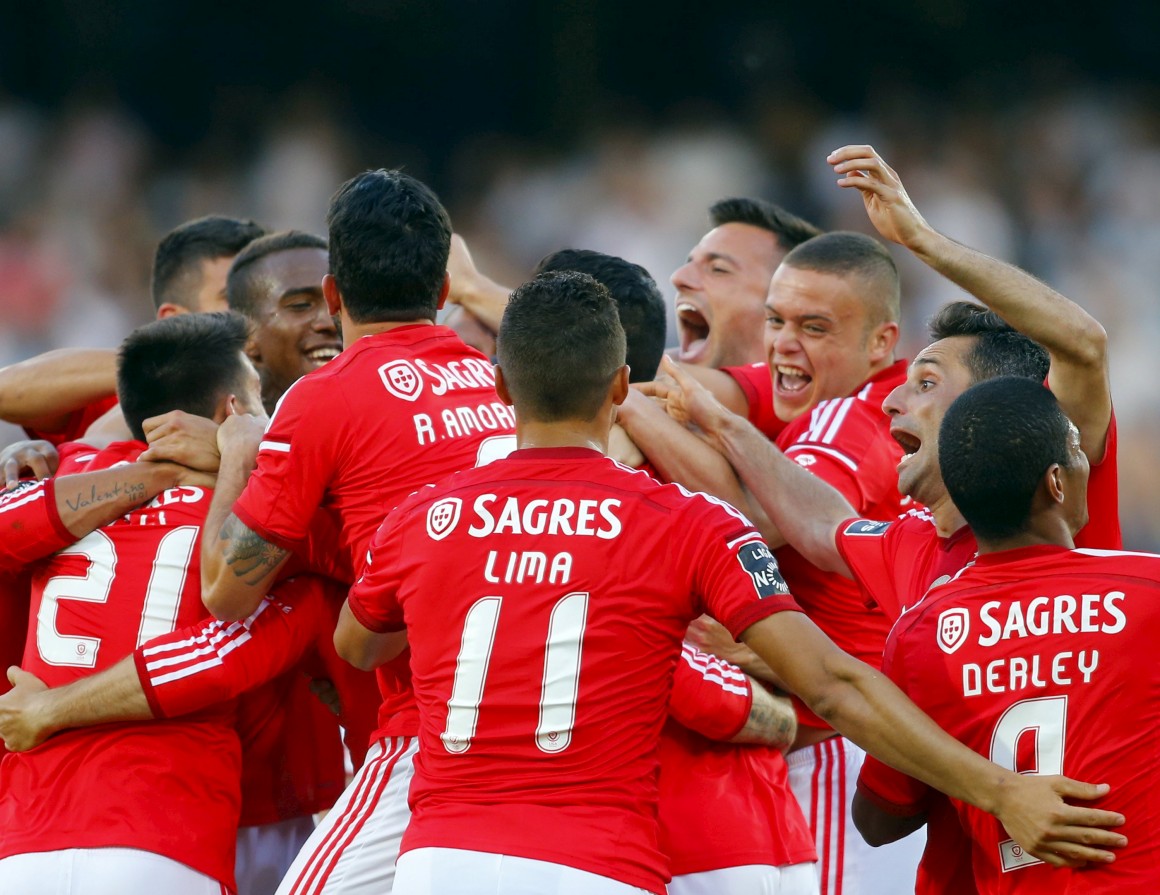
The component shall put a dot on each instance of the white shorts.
(102, 871)
(749, 879)
(824, 778)
(266, 852)
(456, 871)
(353, 850)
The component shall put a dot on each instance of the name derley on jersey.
(407, 380)
(995, 623)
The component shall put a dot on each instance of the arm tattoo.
(250, 555)
(775, 722)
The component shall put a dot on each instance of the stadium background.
(1026, 130)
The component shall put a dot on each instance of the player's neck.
(562, 434)
(947, 518)
(352, 332)
(1051, 532)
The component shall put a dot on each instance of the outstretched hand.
(21, 722)
(887, 204)
(1034, 812)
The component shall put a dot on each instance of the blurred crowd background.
(1033, 135)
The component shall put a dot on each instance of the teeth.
(322, 354)
(789, 371)
(685, 306)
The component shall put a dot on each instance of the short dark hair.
(184, 362)
(181, 251)
(240, 280)
(845, 253)
(999, 349)
(996, 442)
(389, 242)
(560, 345)
(638, 301)
(788, 228)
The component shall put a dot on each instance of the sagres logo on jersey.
(402, 379)
(953, 627)
(443, 516)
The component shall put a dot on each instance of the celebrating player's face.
(816, 340)
(720, 291)
(294, 332)
(936, 377)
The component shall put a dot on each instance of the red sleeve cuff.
(372, 624)
(755, 612)
(66, 536)
(895, 809)
(146, 685)
(293, 546)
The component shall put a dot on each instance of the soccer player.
(57, 395)
(830, 335)
(275, 282)
(404, 404)
(545, 597)
(1022, 653)
(136, 808)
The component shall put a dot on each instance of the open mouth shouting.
(693, 331)
(909, 443)
(790, 380)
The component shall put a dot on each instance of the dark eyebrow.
(301, 290)
(929, 361)
(720, 256)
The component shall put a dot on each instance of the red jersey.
(846, 442)
(164, 787)
(895, 562)
(1019, 657)
(722, 804)
(30, 526)
(213, 661)
(756, 384)
(78, 422)
(393, 412)
(545, 597)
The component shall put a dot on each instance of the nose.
(323, 322)
(892, 406)
(685, 277)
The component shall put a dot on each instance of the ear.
(501, 388)
(169, 309)
(226, 407)
(619, 390)
(331, 294)
(882, 342)
(444, 291)
(1053, 483)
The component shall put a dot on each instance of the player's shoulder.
(78, 456)
(850, 425)
(1119, 562)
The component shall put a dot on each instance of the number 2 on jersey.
(158, 611)
(561, 682)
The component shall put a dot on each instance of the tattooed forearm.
(131, 492)
(249, 555)
(772, 720)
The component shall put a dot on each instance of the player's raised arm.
(41, 392)
(781, 487)
(1076, 341)
(865, 706)
(238, 566)
(477, 294)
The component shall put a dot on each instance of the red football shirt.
(895, 562)
(756, 383)
(846, 442)
(1020, 657)
(722, 804)
(546, 597)
(164, 787)
(393, 412)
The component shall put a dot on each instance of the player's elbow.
(1090, 345)
(879, 828)
(222, 604)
